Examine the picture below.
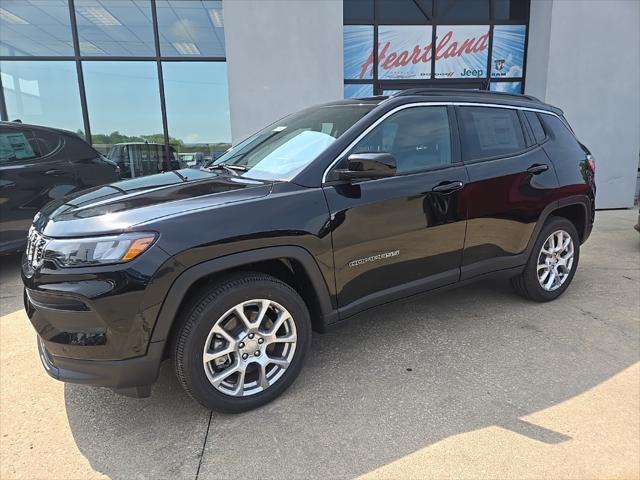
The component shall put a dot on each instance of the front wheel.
(242, 343)
(552, 264)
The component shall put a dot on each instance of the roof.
(465, 95)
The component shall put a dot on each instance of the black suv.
(37, 165)
(320, 216)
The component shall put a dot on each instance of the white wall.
(282, 55)
(584, 57)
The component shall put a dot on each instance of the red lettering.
(443, 43)
(419, 54)
(403, 59)
(388, 63)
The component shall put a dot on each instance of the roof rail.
(448, 91)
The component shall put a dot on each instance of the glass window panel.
(358, 12)
(358, 52)
(404, 52)
(35, 27)
(461, 51)
(508, 51)
(358, 90)
(418, 138)
(507, 87)
(123, 101)
(43, 93)
(115, 27)
(463, 10)
(511, 9)
(488, 132)
(191, 28)
(412, 12)
(197, 101)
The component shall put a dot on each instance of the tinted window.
(43, 93)
(511, 9)
(358, 12)
(123, 99)
(488, 132)
(417, 137)
(17, 144)
(35, 27)
(536, 126)
(463, 10)
(115, 27)
(48, 142)
(191, 28)
(413, 12)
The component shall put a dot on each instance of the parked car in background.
(192, 160)
(139, 159)
(40, 164)
(326, 213)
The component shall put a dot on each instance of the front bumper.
(132, 377)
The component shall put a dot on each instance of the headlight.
(80, 252)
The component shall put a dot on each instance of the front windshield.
(285, 148)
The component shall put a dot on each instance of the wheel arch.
(291, 264)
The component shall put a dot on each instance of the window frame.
(514, 153)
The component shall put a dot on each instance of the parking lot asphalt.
(472, 383)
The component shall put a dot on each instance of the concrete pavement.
(472, 383)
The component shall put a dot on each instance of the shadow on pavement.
(375, 389)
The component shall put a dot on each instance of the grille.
(35, 248)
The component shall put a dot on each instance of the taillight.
(592, 163)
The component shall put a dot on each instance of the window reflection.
(43, 93)
(197, 110)
(115, 27)
(123, 100)
(190, 28)
(32, 27)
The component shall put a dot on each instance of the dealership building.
(201, 74)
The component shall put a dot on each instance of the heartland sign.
(405, 52)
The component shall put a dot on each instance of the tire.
(223, 306)
(527, 284)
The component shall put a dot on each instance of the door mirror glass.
(362, 166)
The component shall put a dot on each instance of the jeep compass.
(226, 269)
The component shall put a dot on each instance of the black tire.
(526, 284)
(201, 315)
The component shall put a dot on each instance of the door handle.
(538, 168)
(54, 172)
(448, 187)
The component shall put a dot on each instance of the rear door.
(32, 173)
(511, 181)
(400, 235)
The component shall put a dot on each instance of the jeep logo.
(472, 73)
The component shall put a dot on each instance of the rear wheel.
(242, 343)
(552, 263)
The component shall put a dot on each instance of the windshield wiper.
(234, 169)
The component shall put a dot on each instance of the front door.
(401, 235)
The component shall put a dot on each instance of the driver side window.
(418, 137)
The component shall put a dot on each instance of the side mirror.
(361, 166)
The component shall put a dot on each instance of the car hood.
(116, 207)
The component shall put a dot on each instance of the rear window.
(489, 132)
(536, 126)
(48, 142)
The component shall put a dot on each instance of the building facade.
(200, 74)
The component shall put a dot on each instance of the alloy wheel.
(555, 260)
(249, 347)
